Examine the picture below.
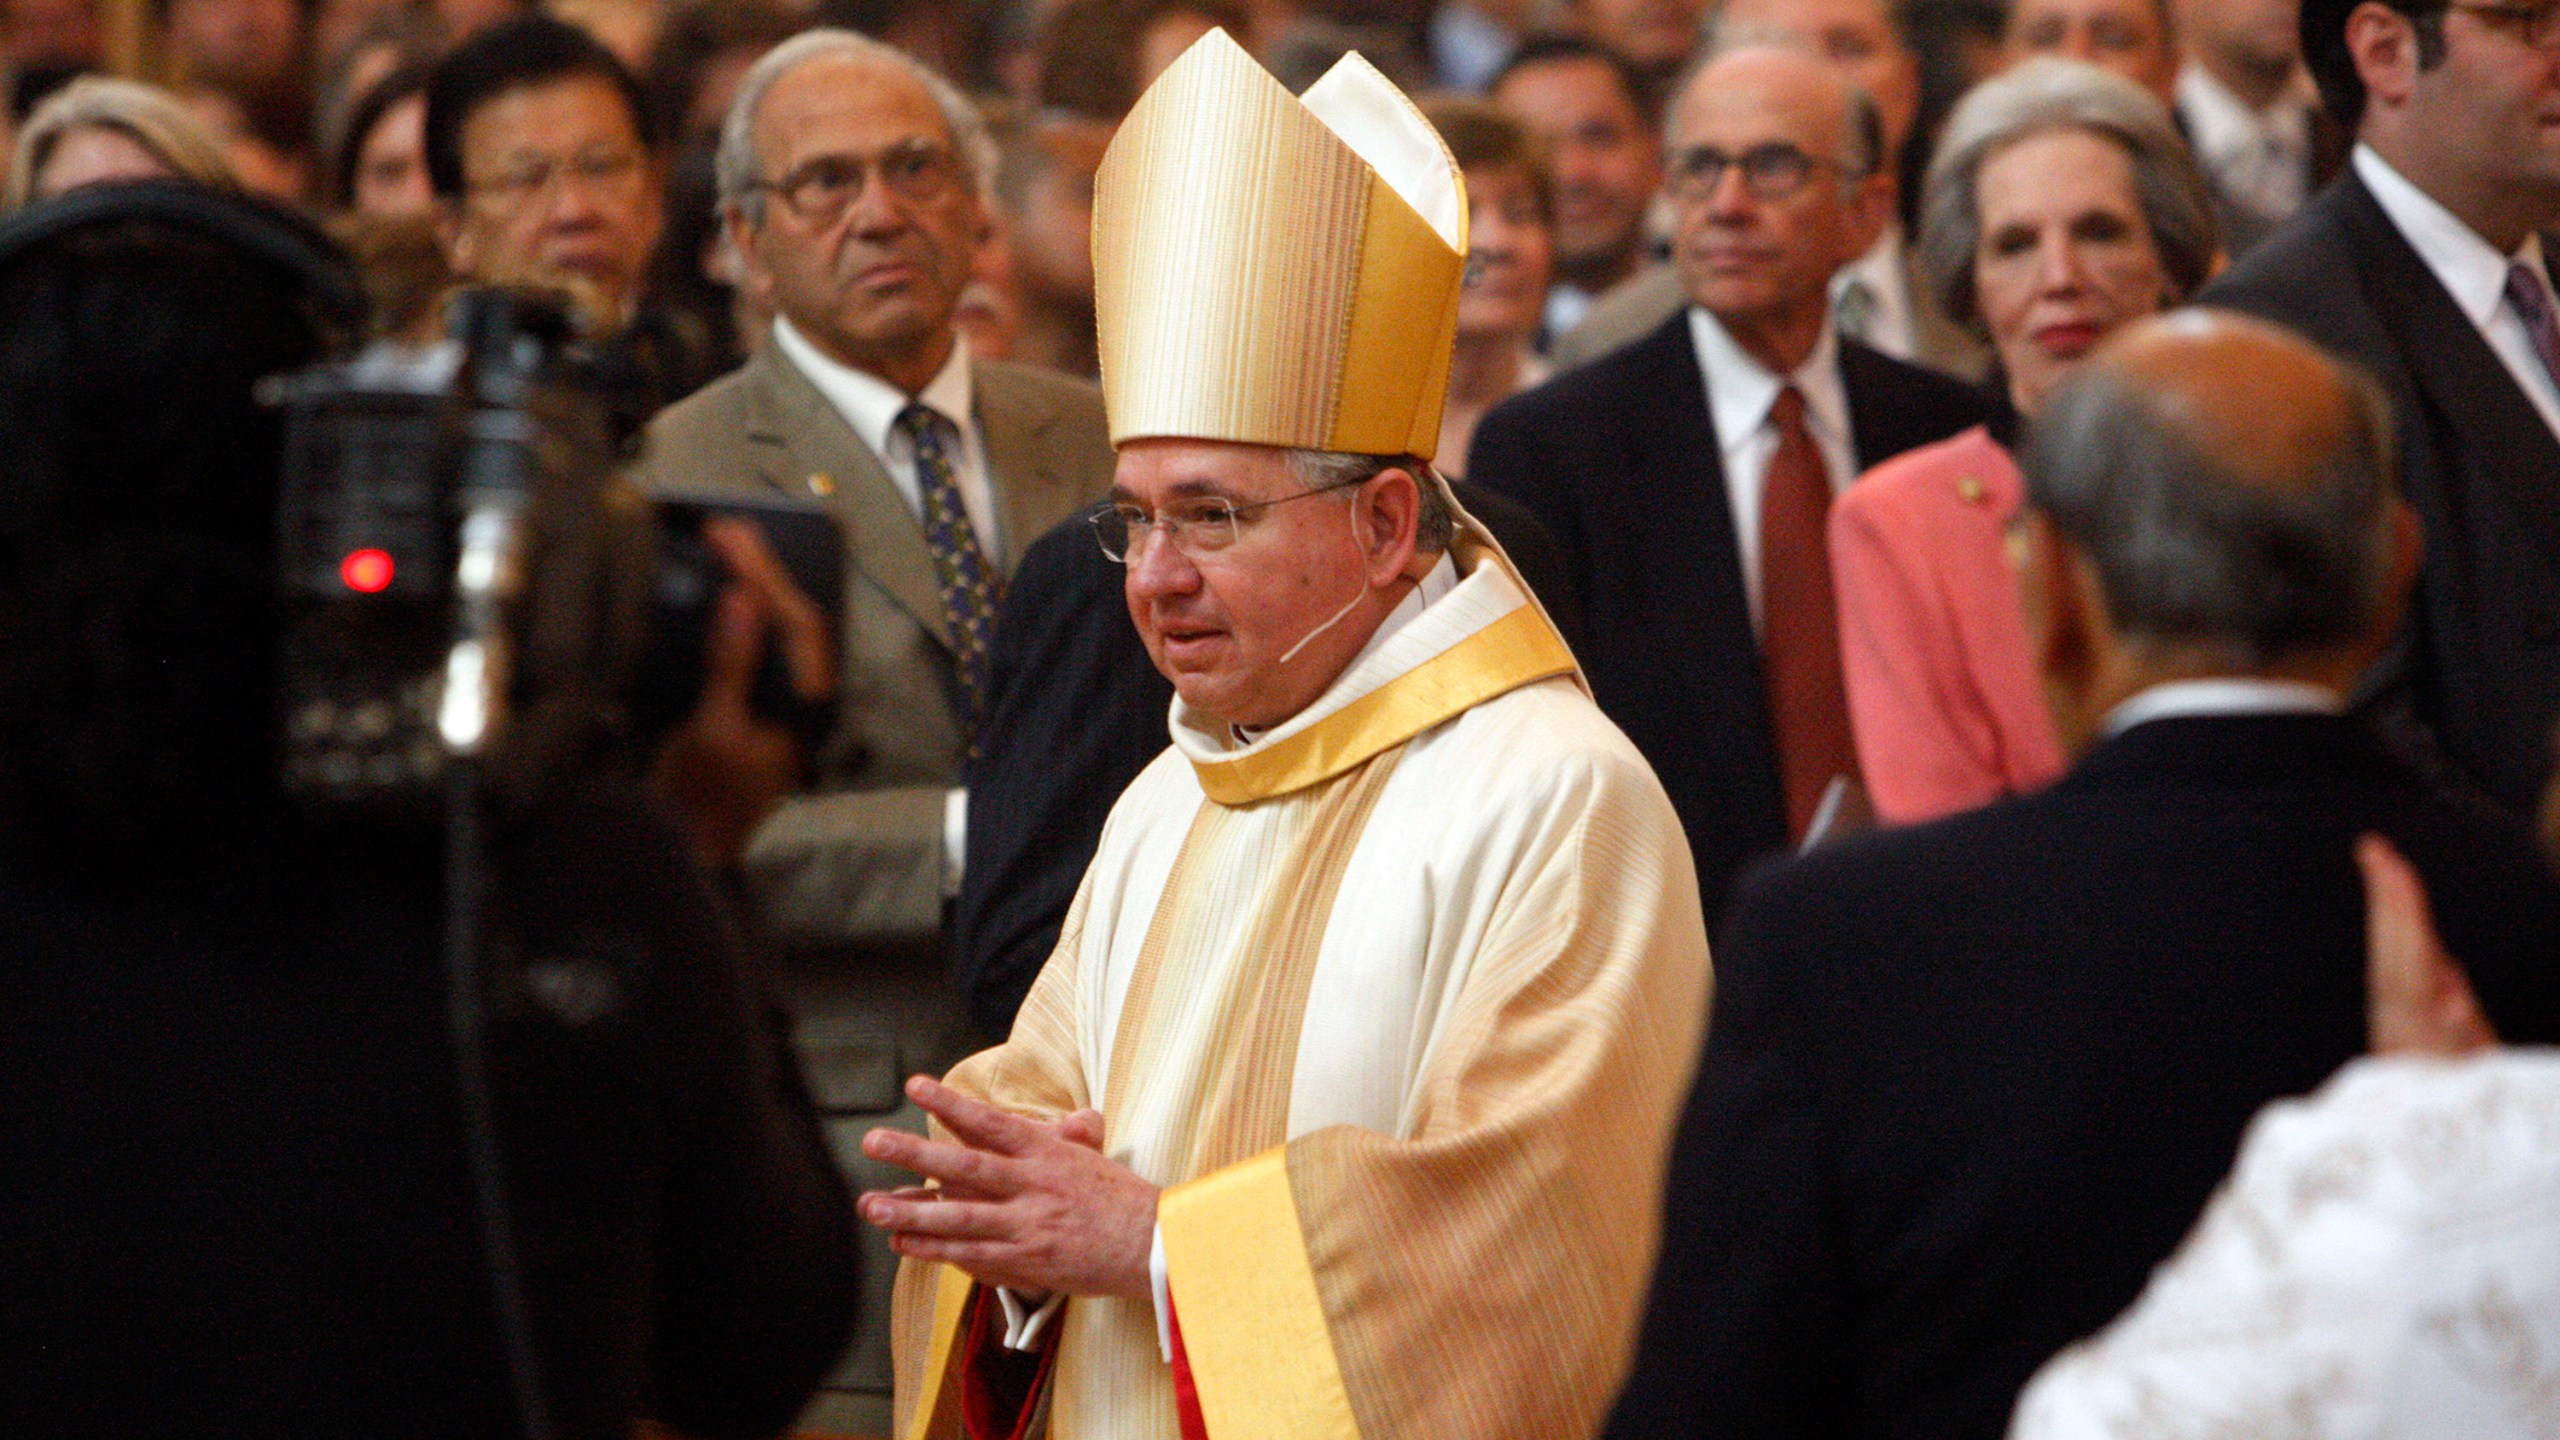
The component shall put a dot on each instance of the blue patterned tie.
(971, 588)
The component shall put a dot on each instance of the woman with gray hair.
(2061, 205)
(98, 129)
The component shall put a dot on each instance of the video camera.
(464, 577)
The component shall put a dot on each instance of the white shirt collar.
(2223, 127)
(870, 404)
(2469, 267)
(1740, 389)
(2222, 695)
(1888, 291)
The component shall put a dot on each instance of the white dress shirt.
(2260, 159)
(2222, 695)
(872, 405)
(1740, 392)
(2471, 271)
(1880, 273)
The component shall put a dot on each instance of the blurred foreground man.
(235, 1156)
(1336, 1109)
(1968, 1082)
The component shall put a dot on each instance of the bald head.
(1821, 107)
(2231, 485)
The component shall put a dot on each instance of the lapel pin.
(822, 484)
(1969, 488)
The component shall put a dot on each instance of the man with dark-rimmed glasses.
(851, 180)
(1691, 472)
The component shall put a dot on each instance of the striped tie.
(971, 588)
(2533, 307)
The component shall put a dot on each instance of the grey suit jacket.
(1637, 307)
(859, 860)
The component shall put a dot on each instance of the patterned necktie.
(1800, 642)
(971, 588)
(2533, 307)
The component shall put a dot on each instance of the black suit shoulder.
(1075, 709)
(2309, 276)
(1896, 406)
(1554, 445)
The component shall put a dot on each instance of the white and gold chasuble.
(1399, 1001)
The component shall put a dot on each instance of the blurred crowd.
(1770, 366)
(323, 105)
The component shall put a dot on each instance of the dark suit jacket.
(2477, 672)
(1075, 710)
(1619, 458)
(1967, 1082)
(234, 1165)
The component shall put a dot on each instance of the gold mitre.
(1275, 270)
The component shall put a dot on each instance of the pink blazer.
(1944, 700)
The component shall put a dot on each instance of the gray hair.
(1862, 149)
(150, 116)
(2192, 551)
(2044, 94)
(734, 165)
(1434, 526)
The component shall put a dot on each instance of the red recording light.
(367, 572)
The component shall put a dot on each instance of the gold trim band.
(937, 1415)
(1253, 1326)
(1513, 651)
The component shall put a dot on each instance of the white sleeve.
(1159, 1287)
(955, 839)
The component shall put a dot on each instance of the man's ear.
(1393, 501)
(741, 235)
(1872, 203)
(2383, 43)
(2064, 614)
(461, 248)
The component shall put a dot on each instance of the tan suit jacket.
(848, 879)
(859, 861)
(1637, 306)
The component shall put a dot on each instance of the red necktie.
(1800, 644)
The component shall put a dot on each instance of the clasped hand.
(1025, 1204)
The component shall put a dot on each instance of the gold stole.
(1257, 1305)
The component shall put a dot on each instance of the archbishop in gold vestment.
(1398, 1002)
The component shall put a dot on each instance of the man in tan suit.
(852, 180)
